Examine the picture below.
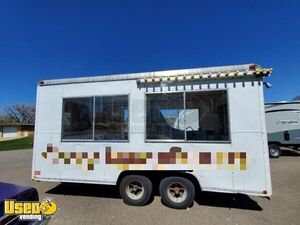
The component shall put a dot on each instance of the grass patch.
(21, 143)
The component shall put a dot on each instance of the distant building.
(10, 130)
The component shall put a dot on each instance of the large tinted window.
(77, 118)
(202, 117)
(95, 118)
(164, 115)
(111, 118)
(207, 116)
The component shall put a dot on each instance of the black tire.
(274, 151)
(130, 195)
(166, 189)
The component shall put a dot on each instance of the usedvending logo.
(27, 210)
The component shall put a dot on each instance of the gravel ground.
(100, 204)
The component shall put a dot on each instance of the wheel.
(177, 192)
(274, 151)
(135, 190)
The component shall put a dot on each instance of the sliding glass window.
(188, 116)
(111, 118)
(77, 118)
(95, 118)
(165, 116)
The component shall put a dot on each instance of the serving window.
(188, 116)
(95, 118)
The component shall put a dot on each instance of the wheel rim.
(274, 151)
(135, 190)
(177, 192)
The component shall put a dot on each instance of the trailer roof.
(282, 103)
(217, 72)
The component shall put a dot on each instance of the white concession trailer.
(191, 130)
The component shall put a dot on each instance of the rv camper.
(283, 126)
(191, 129)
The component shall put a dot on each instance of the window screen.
(77, 118)
(207, 116)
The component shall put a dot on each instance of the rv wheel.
(177, 192)
(135, 190)
(274, 151)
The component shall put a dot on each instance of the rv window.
(207, 116)
(77, 118)
(164, 116)
(111, 118)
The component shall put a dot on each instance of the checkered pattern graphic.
(175, 158)
(126, 157)
(86, 160)
(231, 158)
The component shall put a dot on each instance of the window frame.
(185, 133)
(93, 120)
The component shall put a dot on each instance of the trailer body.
(208, 123)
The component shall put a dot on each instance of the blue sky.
(58, 39)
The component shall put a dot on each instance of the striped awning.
(258, 72)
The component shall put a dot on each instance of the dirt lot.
(97, 204)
